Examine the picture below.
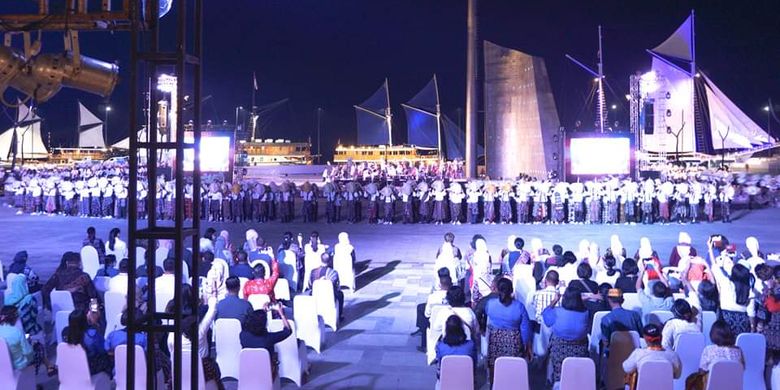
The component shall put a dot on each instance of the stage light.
(628, 97)
(614, 107)
(766, 108)
(11, 64)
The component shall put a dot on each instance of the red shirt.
(263, 286)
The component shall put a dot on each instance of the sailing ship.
(431, 135)
(23, 140)
(681, 110)
(91, 140)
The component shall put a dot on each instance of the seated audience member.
(446, 259)
(682, 250)
(514, 255)
(206, 259)
(83, 330)
(661, 298)
(216, 275)
(141, 271)
(543, 297)
(115, 246)
(223, 249)
(588, 288)
(735, 287)
(654, 352)
(119, 336)
(255, 334)
(619, 319)
(233, 306)
(72, 279)
(684, 321)
(211, 370)
(26, 306)
(569, 326)
(708, 296)
(166, 283)
(242, 269)
(19, 266)
(723, 348)
(509, 329)
(21, 351)
(479, 308)
(109, 267)
(422, 319)
(568, 270)
(95, 242)
(260, 284)
(454, 342)
(456, 299)
(607, 270)
(626, 282)
(118, 283)
(326, 272)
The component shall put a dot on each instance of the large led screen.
(600, 156)
(214, 153)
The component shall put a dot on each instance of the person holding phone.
(660, 298)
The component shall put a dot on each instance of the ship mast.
(601, 104)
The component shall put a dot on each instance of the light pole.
(768, 119)
(235, 129)
(105, 127)
(319, 129)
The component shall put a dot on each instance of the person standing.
(509, 328)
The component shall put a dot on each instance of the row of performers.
(626, 202)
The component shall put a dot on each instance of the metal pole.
(602, 99)
(438, 119)
(471, 91)
(319, 128)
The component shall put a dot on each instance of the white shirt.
(642, 355)
(120, 250)
(673, 329)
(165, 284)
(118, 283)
(728, 294)
(465, 314)
(203, 329)
(438, 297)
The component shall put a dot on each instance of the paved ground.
(373, 348)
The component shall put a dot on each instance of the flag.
(254, 80)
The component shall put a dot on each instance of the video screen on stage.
(215, 153)
(600, 156)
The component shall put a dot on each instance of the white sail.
(90, 129)
(680, 44)
(29, 142)
(727, 118)
(6, 138)
(24, 114)
(125, 142)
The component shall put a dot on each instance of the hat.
(684, 238)
(615, 293)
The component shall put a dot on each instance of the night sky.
(335, 53)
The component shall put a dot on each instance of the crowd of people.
(101, 190)
(395, 170)
(228, 275)
(540, 304)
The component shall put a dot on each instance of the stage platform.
(373, 349)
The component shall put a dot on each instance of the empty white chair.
(292, 358)
(282, 290)
(90, 262)
(161, 301)
(73, 370)
(631, 302)
(689, 347)
(114, 304)
(258, 300)
(620, 347)
(578, 374)
(159, 256)
(457, 373)
(60, 322)
(753, 347)
(10, 378)
(595, 333)
(325, 299)
(140, 256)
(654, 375)
(186, 371)
(241, 282)
(254, 372)
(707, 319)
(289, 259)
(61, 301)
(510, 373)
(658, 317)
(725, 375)
(226, 331)
(309, 325)
(120, 365)
(342, 263)
(101, 283)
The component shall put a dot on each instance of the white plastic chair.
(431, 336)
(595, 334)
(12, 379)
(620, 347)
(578, 374)
(120, 365)
(775, 378)
(631, 302)
(292, 357)
(140, 256)
(114, 303)
(457, 373)
(228, 346)
(161, 300)
(254, 371)
(510, 373)
(61, 301)
(524, 286)
(753, 347)
(113, 323)
(60, 323)
(90, 262)
(258, 300)
(658, 317)
(325, 299)
(73, 370)
(654, 375)
(101, 283)
(707, 319)
(186, 371)
(725, 375)
(311, 261)
(342, 263)
(282, 290)
(241, 282)
(689, 347)
(159, 256)
(310, 329)
(290, 261)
